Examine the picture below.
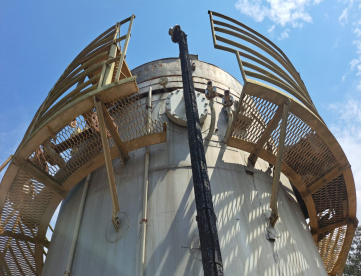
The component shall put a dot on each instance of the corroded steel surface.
(206, 218)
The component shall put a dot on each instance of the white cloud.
(270, 30)
(354, 62)
(280, 12)
(284, 34)
(343, 19)
(343, 78)
(357, 31)
(358, 46)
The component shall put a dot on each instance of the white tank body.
(241, 202)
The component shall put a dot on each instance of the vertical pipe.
(206, 218)
(77, 226)
(143, 222)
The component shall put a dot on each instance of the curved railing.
(63, 144)
(312, 158)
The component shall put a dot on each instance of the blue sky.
(322, 39)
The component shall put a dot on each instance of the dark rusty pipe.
(206, 218)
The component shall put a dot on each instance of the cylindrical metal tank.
(241, 198)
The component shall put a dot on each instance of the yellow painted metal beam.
(265, 135)
(108, 163)
(277, 172)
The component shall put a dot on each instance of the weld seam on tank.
(77, 227)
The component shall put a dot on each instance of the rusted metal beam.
(322, 181)
(124, 156)
(277, 172)
(108, 164)
(265, 135)
(41, 176)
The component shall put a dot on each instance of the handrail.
(307, 138)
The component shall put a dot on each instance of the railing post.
(108, 164)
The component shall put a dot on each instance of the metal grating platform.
(63, 144)
(312, 158)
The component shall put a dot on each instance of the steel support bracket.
(276, 176)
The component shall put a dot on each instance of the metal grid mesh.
(130, 117)
(259, 58)
(72, 147)
(18, 252)
(253, 118)
(80, 141)
(31, 202)
(331, 202)
(308, 155)
(305, 152)
(330, 245)
(25, 205)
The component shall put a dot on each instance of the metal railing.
(63, 144)
(311, 157)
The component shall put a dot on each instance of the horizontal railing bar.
(269, 51)
(72, 94)
(276, 82)
(269, 74)
(254, 32)
(243, 47)
(74, 81)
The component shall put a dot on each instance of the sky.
(38, 39)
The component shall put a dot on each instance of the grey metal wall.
(240, 201)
